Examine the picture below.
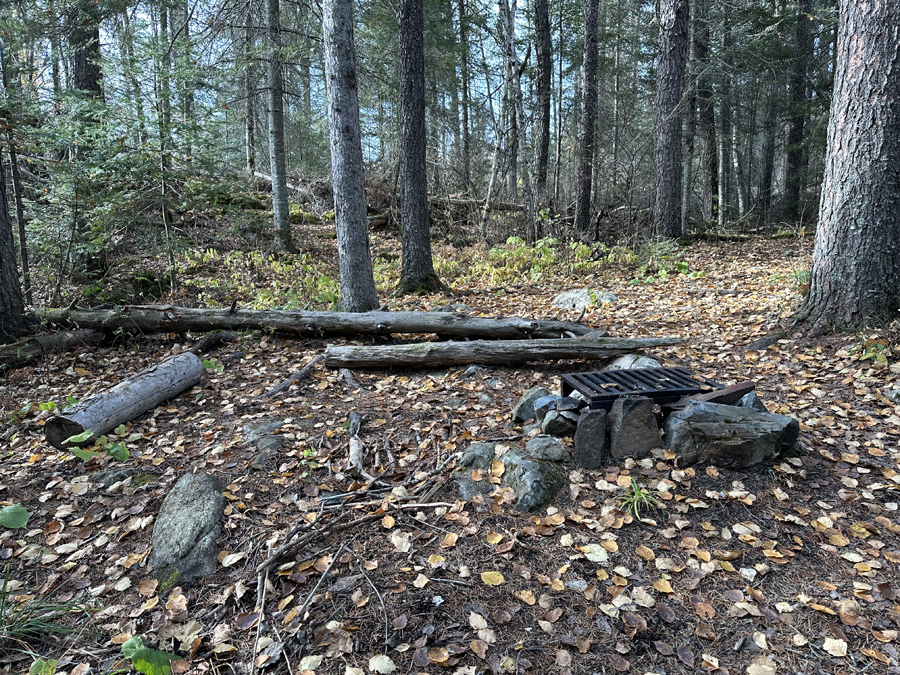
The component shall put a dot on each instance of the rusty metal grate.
(661, 385)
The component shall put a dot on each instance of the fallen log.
(26, 352)
(493, 352)
(172, 319)
(125, 401)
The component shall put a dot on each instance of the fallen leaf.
(381, 664)
(835, 647)
(492, 578)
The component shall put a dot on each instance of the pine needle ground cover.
(788, 567)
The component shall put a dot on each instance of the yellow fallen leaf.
(525, 596)
(492, 578)
(388, 521)
(663, 586)
(494, 538)
(449, 541)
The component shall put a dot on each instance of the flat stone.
(633, 431)
(630, 362)
(728, 436)
(579, 298)
(485, 398)
(558, 424)
(590, 440)
(546, 447)
(186, 529)
(524, 409)
(892, 395)
(255, 430)
(569, 403)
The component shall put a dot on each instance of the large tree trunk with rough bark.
(498, 352)
(670, 63)
(171, 319)
(277, 159)
(12, 306)
(416, 268)
(588, 114)
(706, 115)
(84, 44)
(351, 222)
(856, 262)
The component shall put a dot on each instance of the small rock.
(558, 424)
(528, 427)
(110, 477)
(581, 397)
(255, 430)
(495, 383)
(590, 439)
(892, 395)
(544, 405)
(748, 573)
(633, 431)
(728, 436)
(630, 362)
(186, 529)
(569, 404)
(485, 398)
(753, 401)
(524, 409)
(546, 447)
(473, 370)
(478, 455)
(580, 298)
(452, 307)
(456, 402)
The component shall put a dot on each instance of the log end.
(58, 429)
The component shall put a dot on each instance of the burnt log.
(126, 400)
(172, 319)
(26, 352)
(492, 352)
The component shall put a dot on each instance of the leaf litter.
(790, 567)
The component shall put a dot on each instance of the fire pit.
(661, 385)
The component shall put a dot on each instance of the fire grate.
(661, 385)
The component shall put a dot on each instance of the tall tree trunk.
(126, 37)
(12, 307)
(706, 116)
(690, 126)
(724, 134)
(543, 84)
(351, 223)
(856, 262)
(164, 90)
(277, 159)
(670, 63)
(588, 114)
(507, 22)
(84, 43)
(249, 93)
(464, 92)
(794, 179)
(55, 56)
(736, 163)
(416, 268)
(767, 167)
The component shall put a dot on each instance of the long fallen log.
(28, 351)
(493, 352)
(172, 319)
(126, 400)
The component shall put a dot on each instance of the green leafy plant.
(49, 406)
(115, 449)
(14, 516)
(637, 500)
(146, 659)
(213, 365)
(43, 667)
(874, 349)
(20, 414)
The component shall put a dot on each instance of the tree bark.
(277, 159)
(249, 94)
(670, 64)
(84, 43)
(125, 401)
(171, 319)
(588, 114)
(500, 352)
(464, 93)
(354, 252)
(12, 306)
(794, 169)
(30, 350)
(856, 262)
(417, 268)
(543, 84)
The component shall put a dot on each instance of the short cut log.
(126, 400)
(490, 352)
(172, 319)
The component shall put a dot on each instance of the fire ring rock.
(186, 530)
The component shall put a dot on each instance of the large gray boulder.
(186, 529)
(535, 481)
(524, 409)
(728, 436)
(633, 430)
(631, 361)
(579, 298)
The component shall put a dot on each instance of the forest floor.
(792, 566)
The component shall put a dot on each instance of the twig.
(290, 545)
(350, 380)
(296, 377)
(262, 579)
(451, 581)
(319, 582)
(380, 599)
(435, 471)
